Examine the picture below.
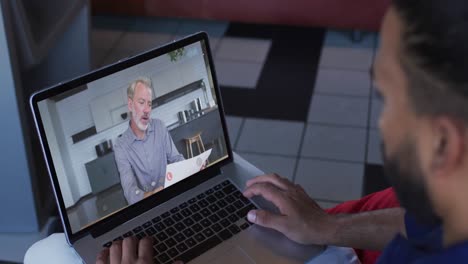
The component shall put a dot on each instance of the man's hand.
(301, 219)
(157, 189)
(128, 251)
(203, 165)
(153, 191)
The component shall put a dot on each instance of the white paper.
(178, 171)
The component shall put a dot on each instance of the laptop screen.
(117, 140)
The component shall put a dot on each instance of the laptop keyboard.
(196, 225)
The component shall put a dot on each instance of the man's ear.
(448, 145)
(129, 104)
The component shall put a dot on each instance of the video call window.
(124, 137)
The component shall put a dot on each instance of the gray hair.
(131, 88)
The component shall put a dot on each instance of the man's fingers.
(129, 250)
(115, 252)
(145, 250)
(267, 191)
(103, 256)
(157, 189)
(267, 219)
(274, 179)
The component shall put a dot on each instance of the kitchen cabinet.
(102, 173)
(120, 114)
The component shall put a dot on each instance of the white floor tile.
(330, 180)
(347, 58)
(238, 74)
(374, 154)
(244, 49)
(270, 137)
(283, 166)
(342, 82)
(340, 110)
(334, 142)
(234, 125)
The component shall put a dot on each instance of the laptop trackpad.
(234, 255)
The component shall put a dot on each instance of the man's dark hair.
(434, 55)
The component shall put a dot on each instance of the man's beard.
(405, 175)
(137, 121)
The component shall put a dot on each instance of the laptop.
(201, 218)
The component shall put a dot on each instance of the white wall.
(74, 112)
(55, 150)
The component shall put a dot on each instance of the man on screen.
(145, 148)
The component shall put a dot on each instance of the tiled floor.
(307, 110)
(270, 137)
(334, 142)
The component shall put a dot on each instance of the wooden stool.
(194, 139)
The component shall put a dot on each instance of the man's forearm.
(369, 230)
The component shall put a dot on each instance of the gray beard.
(138, 123)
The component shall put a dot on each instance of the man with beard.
(421, 73)
(145, 148)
